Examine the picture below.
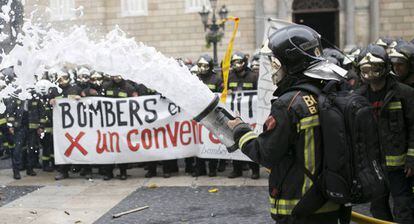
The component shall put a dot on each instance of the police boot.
(62, 175)
(235, 173)
(30, 172)
(16, 175)
(123, 175)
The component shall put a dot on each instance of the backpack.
(352, 163)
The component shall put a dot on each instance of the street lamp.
(214, 31)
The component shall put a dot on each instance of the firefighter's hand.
(76, 97)
(11, 130)
(408, 172)
(40, 131)
(52, 102)
(234, 123)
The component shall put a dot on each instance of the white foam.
(115, 54)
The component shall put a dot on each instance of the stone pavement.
(76, 200)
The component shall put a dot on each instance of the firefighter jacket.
(17, 113)
(247, 80)
(396, 124)
(68, 91)
(118, 90)
(291, 142)
(35, 109)
(213, 82)
(46, 120)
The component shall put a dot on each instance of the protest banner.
(98, 130)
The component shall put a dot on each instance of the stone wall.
(167, 26)
(397, 18)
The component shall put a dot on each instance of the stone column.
(374, 19)
(282, 9)
(259, 22)
(350, 25)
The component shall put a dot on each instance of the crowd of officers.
(27, 126)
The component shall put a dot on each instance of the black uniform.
(215, 83)
(46, 123)
(395, 111)
(113, 89)
(67, 91)
(291, 140)
(36, 111)
(245, 80)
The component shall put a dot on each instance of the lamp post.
(214, 30)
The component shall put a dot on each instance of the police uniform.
(395, 110)
(245, 80)
(291, 140)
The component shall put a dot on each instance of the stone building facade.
(174, 26)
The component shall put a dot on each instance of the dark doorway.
(325, 23)
(321, 15)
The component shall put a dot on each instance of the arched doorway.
(321, 15)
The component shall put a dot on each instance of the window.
(134, 7)
(192, 6)
(62, 9)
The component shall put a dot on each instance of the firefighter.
(71, 91)
(394, 106)
(281, 147)
(45, 131)
(215, 84)
(241, 78)
(117, 87)
(402, 60)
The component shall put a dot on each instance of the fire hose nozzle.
(215, 118)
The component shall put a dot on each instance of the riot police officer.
(242, 78)
(394, 106)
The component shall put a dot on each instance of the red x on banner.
(75, 143)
